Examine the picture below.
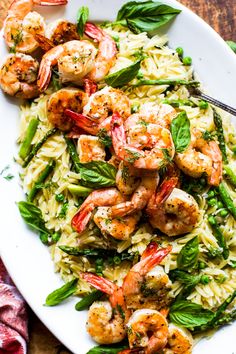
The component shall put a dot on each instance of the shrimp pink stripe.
(81, 219)
(83, 121)
(93, 31)
(99, 283)
(90, 87)
(151, 249)
(151, 261)
(44, 77)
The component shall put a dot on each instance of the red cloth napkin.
(13, 317)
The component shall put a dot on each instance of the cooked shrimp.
(105, 102)
(117, 227)
(127, 178)
(147, 329)
(155, 144)
(106, 55)
(21, 24)
(75, 59)
(162, 114)
(172, 210)
(201, 157)
(140, 197)
(61, 31)
(180, 341)
(90, 149)
(59, 101)
(18, 75)
(145, 286)
(99, 197)
(106, 319)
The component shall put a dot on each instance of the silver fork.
(195, 92)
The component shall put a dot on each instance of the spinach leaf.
(32, 215)
(82, 18)
(146, 16)
(188, 256)
(105, 349)
(98, 174)
(232, 45)
(61, 293)
(190, 315)
(87, 300)
(180, 131)
(123, 76)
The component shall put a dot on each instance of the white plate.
(26, 258)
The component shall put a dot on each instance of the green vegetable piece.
(166, 82)
(219, 236)
(234, 150)
(190, 315)
(211, 193)
(42, 177)
(232, 45)
(188, 280)
(82, 18)
(62, 293)
(212, 201)
(203, 104)
(179, 51)
(32, 215)
(187, 61)
(123, 76)
(73, 154)
(29, 135)
(60, 197)
(87, 300)
(56, 236)
(202, 265)
(76, 251)
(37, 146)
(178, 103)
(188, 256)
(44, 238)
(180, 131)
(80, 191)
(63, 211)
(224, 213)
(146, 16)
(104, 138)
(227, 200)
(219, 205)
(220, 134)
(230, 175)
(98, 174)
(111, 349)
(205, 279)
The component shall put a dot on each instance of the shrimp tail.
(81, 219)
(93, 32)
(82, 121)
(90, 87)
(50, 2)
(150, 250)
(44, 77)
(44, 43)
(99, 283)
(156, 258)
(166, 188)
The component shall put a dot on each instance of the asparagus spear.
(73, 154)
(227, 200)
(79, 190)
(220, 134)
(29, 135)
(84, 303)
(38, 146)
(219, 236)
(42, 177)
(166, 82)
(230, 175)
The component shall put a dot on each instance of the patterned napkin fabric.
(13, 317)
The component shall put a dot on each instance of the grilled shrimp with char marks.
(201, 157)
(22, 24)
(180, 341)
(146, 286)
(172, 210)
(18, 75)
(106, 319)
(152, 149)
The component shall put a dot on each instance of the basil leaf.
(146, 16)
(82, 18)
(32, 215)
(61, 293)
(184, 277)
(123, 76)
(84, 303)
(180, 131)
(188, 256)
(232, 45)
(104, 349)
(98, 174)
(190, 315)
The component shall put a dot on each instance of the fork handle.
(215, 102)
